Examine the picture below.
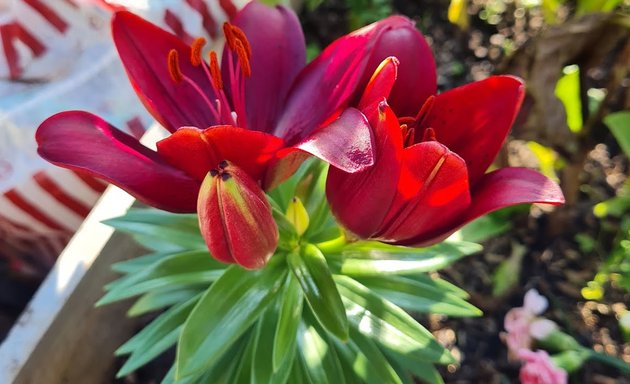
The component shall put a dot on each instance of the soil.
(553, 261)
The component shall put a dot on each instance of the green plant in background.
(324, 310)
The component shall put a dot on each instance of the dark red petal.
(197, 151)
(82, 141)
(379, 87)
(417, 77)
(474, 120)
(143, 49)
(345, 143)
(325, 85)
(361, 200)
(235, 219)
(432, 191)
(278, 55)
(500, 189)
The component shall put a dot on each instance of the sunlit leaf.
(288, 322)
(568, 91)
(179, 229)
(388, 324)
(418, 296)
(311, 271)
(224, 313)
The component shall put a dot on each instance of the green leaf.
(263, 371)
(319, 356)
(155, 338)
(225, 312)
(375, 259)
(186, 268)
(288, 322)
(370, 363)
(388, 324)
(311, 271)
(419, 296)
(484, 228)
(423, 370)
(163, 298)
(508, 272)
(179, 229)
(568, 91)
(619, 125)
(137, 264)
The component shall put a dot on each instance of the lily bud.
(297, 215)
(235, 218)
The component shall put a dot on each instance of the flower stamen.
(195, 51)
(215, 71)
(428, 135)
(173, 66)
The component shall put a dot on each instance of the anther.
(240, 36)
(243, 58)
(215, 71)
(195, 51)
(229, 35)
(428, 134)
(225, 176)
(213, 172)
(173, 66)
(223, 164)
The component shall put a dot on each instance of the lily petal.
(511, 186)
(278, 55)
(197, 151)
(82, 141)
(474, 116)
(417, 73)
(143, 48)
(345, 143)
(499, 189)
(325, 85)
(433, 192)
(361, 200)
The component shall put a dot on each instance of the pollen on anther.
(229, 35)
(243, 58)
(240, 36)
(428, 135)
(195, 51)
(215, 71)
(173, 66)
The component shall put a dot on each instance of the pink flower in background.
(539, 369)
(523, 324)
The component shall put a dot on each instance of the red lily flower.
(263, 110)
(429, 176)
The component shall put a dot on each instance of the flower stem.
(610, 360)
(332, 246)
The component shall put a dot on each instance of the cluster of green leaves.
(323, 310)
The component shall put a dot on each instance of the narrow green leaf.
(224, 313)
(619, 125)
(421, 369)
(369, 259)
(388, 324)
(184, 268)
(419, 296)
(288, 322)
(179, 229)
(139, 263)
(155, 338)
(371, 362)
(163, 298)
(319, 356)
(263, 371)
(310, 268)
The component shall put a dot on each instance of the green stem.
(332, 246)
(610, 360)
